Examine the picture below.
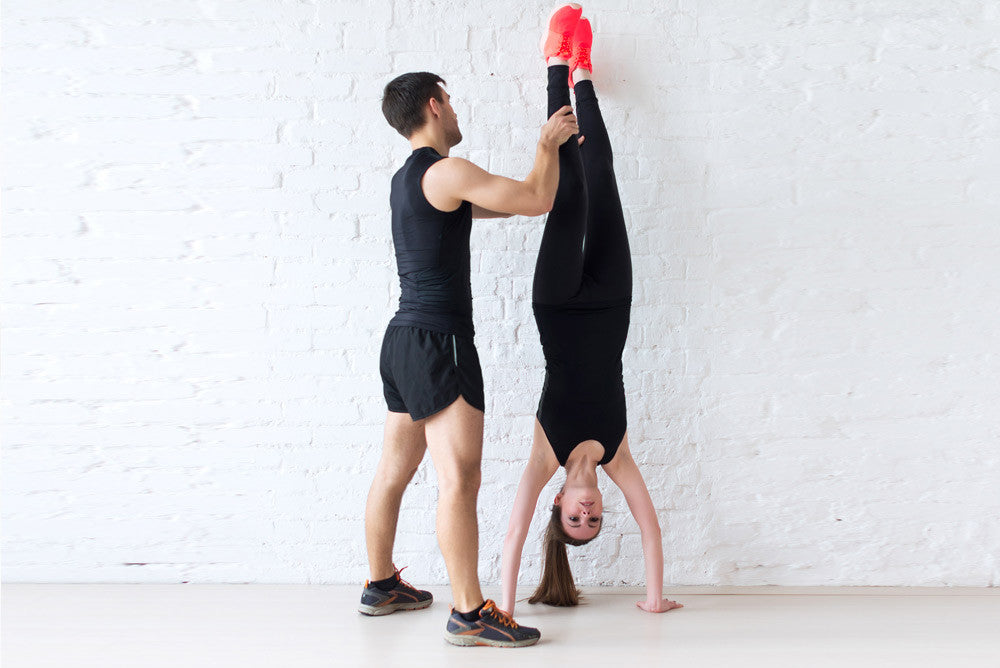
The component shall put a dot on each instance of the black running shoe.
(403, 596)
(494, 627)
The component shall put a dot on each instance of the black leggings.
(587, 207)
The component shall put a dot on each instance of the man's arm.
(450, 181)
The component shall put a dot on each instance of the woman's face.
(581, 509)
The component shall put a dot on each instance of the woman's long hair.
(557, 586)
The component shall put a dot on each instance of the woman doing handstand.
(582, 298)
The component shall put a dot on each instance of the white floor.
(187, 626)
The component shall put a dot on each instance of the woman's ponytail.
(557, 586)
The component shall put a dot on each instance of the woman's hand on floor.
(661, 605)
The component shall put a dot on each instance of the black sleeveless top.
(584, 393)
(432, 254)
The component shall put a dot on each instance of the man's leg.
(402, 452)
(455, 440)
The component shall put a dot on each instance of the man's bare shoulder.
(451, 178)
(453, 167)
(446, 180)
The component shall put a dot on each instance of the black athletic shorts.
(424, 372)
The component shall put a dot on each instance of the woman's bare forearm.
(652, 552)
(513, 545)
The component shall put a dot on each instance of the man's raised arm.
(451, 180)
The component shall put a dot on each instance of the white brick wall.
(197, 271)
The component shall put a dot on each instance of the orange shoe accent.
(583, 39)
(391, 599)
(558, 41)
(504, 618)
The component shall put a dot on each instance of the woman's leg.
(607, 258)
(559, 268)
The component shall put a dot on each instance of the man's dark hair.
(405, 97)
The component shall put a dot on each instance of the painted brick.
(198, 270)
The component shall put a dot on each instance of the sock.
(385, 585)
(472, 615)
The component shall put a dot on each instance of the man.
(432, 380)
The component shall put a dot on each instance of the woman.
(582, 300)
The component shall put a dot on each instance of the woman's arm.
(625, 473)
(542, 465)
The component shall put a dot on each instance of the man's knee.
(455, 439)
(459, 476)
(395, 475)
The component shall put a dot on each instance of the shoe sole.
(376, 611)
(472, 641)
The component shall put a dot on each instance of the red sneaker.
(558, 41)
(583, 38)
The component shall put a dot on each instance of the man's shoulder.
(453, 163)
(444, 182)
(454, 169)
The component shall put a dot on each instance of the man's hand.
(659, 605)
(560, 127)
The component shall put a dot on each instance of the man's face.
(449, 121)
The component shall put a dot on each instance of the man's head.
(416, 101)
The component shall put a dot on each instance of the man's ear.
(435, 108)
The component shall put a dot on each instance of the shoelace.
(566, 45)
(581, 57)
(401, 580)
(501, 616)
